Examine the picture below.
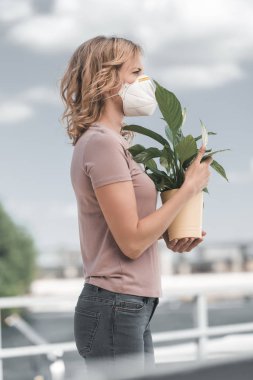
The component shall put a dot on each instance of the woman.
(119, 225)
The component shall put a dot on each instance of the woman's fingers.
(172, 243)
(184, 244)
(180, 246)
(188, 244)
(194, 244)
(201, 153)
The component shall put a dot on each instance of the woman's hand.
(198, 173)
(182, 245)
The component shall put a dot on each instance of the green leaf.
(177, 151)
(200, 136)
(147, 154)
(170, 107)
(212, 153)
(167, 153)
(161, 180)
(150, 164)
(147, 132)
(179, 136)
(164, 162)
(216, 166)
(186, 148)
(169, 134)
(188, 161)
(136, 149)
(161, 173)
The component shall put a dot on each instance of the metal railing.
(201, 332)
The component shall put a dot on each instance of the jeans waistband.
(96, 290)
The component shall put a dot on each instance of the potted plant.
(176, 153)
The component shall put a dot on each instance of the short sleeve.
(105, 160)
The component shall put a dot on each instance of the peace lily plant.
(176, 153)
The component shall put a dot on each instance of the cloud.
(14, 10)
(49, 222)
(195, 43)
(14, 112)
(19, 107)
(40, 94)
(203, 76)
(241, 177)
(53, 209)
(51, 34)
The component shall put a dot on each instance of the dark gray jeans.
(110, 326)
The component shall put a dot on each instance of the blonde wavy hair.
(92, 70)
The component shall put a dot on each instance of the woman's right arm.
(118, 204)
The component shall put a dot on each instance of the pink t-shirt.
(100, 157)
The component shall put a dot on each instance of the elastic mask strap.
(111, 96)
(114, 94)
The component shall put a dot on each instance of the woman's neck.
(111, 117)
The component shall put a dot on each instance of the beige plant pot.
(188, 222)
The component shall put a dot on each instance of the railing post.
(201, 322)
(1, 360)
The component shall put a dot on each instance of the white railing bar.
(55, 348)
(200, 333)
(59, 348)
(201, 317)
(237, 291)
(21, 325)
(30, 333)
(176, 335)
(1, 361)
(30, 301)
(196, 333)
(230, 329)
(157, 338)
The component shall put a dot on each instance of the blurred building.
(60, 262)
(65, 262)
(215, 257)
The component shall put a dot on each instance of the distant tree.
(17, 257)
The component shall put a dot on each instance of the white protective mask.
(138, 97)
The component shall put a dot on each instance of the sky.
(200, 50)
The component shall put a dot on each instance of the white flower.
(204, 134)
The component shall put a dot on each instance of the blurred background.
(203, 52)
